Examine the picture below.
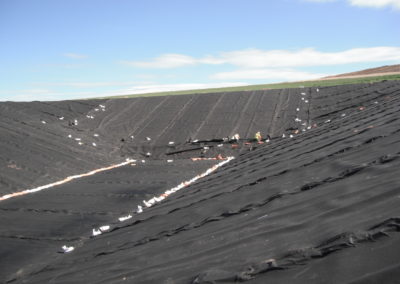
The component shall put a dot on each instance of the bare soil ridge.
(383, 70)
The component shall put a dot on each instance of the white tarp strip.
(20, 193)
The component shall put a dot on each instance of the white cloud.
(376, 3)
(257, 58)
(50, 95)
(267, 74)
(27, 95)
(366, 3)
(155, 88)
(75, 55)
(173, 60)
(90, 84)
(164, 61)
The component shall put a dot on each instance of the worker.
(257, 136)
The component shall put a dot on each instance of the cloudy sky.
(66, 49)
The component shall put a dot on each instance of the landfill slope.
(317, 205)
(38, 147)
(34, 144)
(33, 228)
(43, 142)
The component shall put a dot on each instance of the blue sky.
(66, 49)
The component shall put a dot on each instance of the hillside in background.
(390, 69)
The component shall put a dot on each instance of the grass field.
(316, 83)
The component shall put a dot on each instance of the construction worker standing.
(257, 136)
